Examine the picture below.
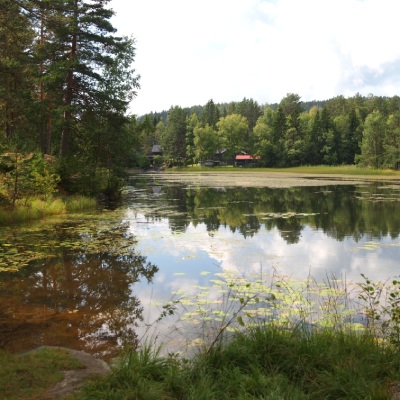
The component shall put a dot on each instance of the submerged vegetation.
(83, 236)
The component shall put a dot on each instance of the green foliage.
(158, 161)
(27, 175)
(77, 178)
(294, 133)
(31, 209)
(192, 122)
(173, 140)
(277, 301)
(210, 114)
(233, 131)
(66, 83)
(392, 141)
(144, 162)
(372, 150)
(249, 109)
(206, 142)
(382, 308)
(17, 74)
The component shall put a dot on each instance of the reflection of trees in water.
(340, 211)
(79, 300)
(178, 220)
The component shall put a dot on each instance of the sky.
(191, 51)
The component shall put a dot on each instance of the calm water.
(100, 280)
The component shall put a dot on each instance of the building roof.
(243, 157)
(156, 148)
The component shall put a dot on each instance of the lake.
(95, 281)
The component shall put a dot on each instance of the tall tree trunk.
(66, 133)
(48, 141)
(41, 89)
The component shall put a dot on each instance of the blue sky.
(191, 51)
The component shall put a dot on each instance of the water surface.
(94, 282)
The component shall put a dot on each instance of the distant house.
(219, 154)
(209, 163)
(218, 159)
(246, 160)
(156, 150)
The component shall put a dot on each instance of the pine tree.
(16, 70)
(210, 114)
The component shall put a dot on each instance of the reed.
(80, 203)
(36, 208)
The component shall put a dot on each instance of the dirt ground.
(265, 179)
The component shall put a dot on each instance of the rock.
(75, 379)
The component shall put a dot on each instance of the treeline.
(66, 80)
(363, 130)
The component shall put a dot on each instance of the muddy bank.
(265, 179)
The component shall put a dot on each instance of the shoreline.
(266, 179)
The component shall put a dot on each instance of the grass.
(271, 360)
(35, 208)
(79, 203)
(262, 363)
(29, 376)
(318, 169)
(340, 169)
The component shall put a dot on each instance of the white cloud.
(191, 51)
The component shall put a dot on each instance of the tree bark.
(66, 133)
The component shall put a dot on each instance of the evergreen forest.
(66, 83)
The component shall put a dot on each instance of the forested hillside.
(358, 129)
